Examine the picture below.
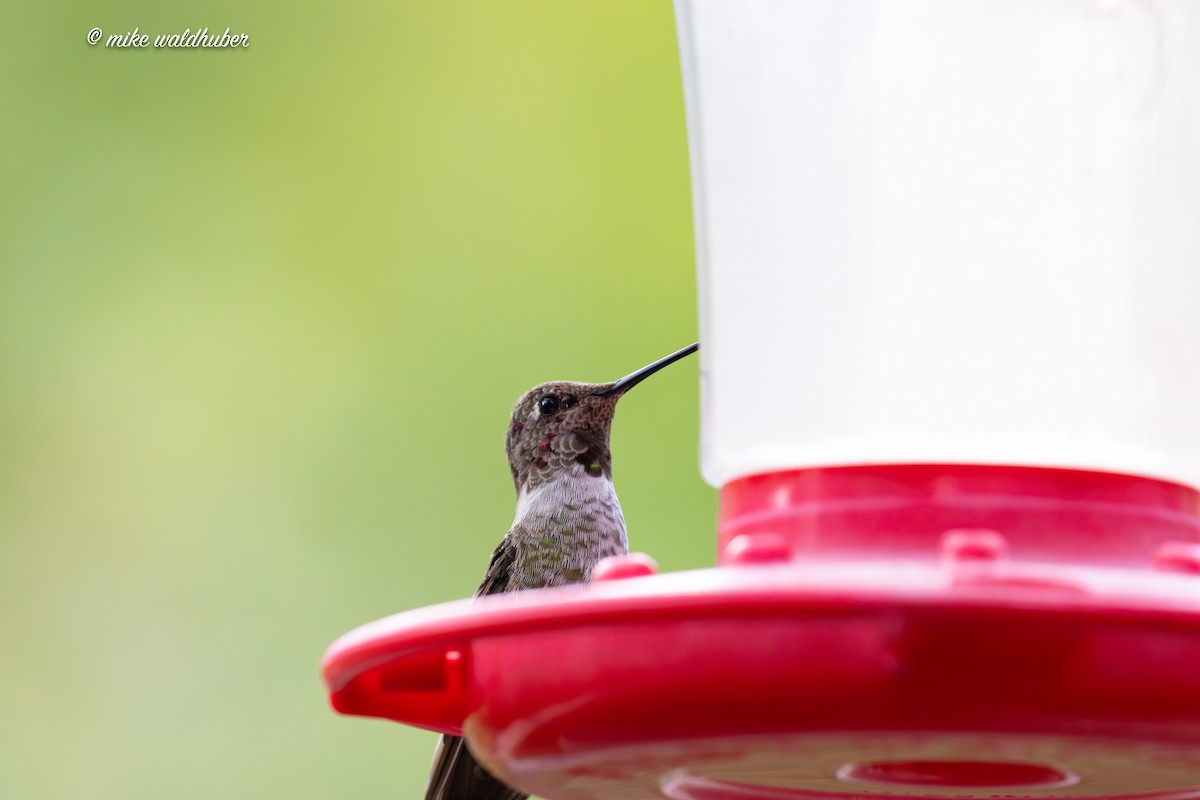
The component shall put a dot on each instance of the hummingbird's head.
(558, 425)
(564, 426)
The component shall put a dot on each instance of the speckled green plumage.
(566, 528)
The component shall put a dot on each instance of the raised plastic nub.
(633, 565)
(757, 548)
(973, 545)
(1178, 557)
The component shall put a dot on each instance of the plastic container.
(949, 231)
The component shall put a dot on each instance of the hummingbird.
(568, 519)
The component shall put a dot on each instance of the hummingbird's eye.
(549, 404)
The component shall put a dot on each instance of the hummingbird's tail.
(456, 775)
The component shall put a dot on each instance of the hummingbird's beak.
(634, 378)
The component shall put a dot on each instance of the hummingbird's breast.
(563, 528)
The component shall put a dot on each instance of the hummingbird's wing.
(456, 775)
(495, 580)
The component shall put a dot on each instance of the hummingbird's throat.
(563, 528)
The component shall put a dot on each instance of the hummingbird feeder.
(949, 257)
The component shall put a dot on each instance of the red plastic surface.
(895, 631)
(1071, 516)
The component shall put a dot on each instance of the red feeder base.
(893, 631)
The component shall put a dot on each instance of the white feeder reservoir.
(951, 231)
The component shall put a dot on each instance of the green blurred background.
(263, 314)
